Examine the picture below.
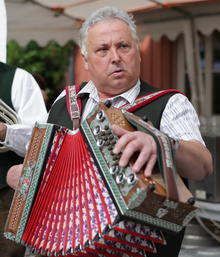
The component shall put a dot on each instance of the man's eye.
(102, 49)
(124, 46)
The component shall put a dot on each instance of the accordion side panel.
(24, 193)
(130, 191)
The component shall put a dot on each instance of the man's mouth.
(117, 72)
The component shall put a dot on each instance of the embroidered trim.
(143, 100)
(72, 91)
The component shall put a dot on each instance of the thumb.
(118, 130)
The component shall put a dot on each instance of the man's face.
(113, 59)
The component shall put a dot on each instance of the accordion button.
(100, 142)
(191, 201)
(145, 118)
(113, 142)
(108, 103)
(111, 137)
(100, 116)
(110, 147)
(105, 138)
(97, 130)
(108, 132)
(152, 187)
(114, 169)
(132, 178)
(120, 178)
(107, 142)
(102, 133)
(115, 157)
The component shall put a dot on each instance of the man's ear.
(85, 62)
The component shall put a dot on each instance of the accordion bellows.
(73, 200)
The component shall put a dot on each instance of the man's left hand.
(132, 142)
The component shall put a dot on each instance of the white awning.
(60, 19)
(208, 24)
(29, 21)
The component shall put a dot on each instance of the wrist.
(175, 145)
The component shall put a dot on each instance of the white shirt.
(29, 105)
(179, 119)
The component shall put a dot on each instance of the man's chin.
(122, 85)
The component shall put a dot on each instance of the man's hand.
(132, 142)
(13, 175)
(3, 129)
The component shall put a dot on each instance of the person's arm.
(193, 160)
(29, 105)
(179, 121)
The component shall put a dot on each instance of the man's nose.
(115, 57)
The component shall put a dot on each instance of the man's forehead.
(108, 28)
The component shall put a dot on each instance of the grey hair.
(103, 14)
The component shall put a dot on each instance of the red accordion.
(73, 198)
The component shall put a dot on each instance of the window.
(209, 53)
(209, 47)
(216, 72)
(209, 61)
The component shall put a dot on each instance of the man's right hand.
(13, 175)
(3, 129)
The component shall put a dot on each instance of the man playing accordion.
(109, 47)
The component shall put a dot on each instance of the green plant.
(51, 62)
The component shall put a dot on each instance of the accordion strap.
(146, 99)
(73, 104)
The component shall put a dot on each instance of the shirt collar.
(130, 95)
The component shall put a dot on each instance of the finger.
(134, 143)
(150, 165)
(129, 150)
(145, 159)
(118, 130)
(124, 138)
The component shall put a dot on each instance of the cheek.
(99, 65)
(137, 61)
(98, 69)
(133, 63)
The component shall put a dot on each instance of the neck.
(105, 96)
